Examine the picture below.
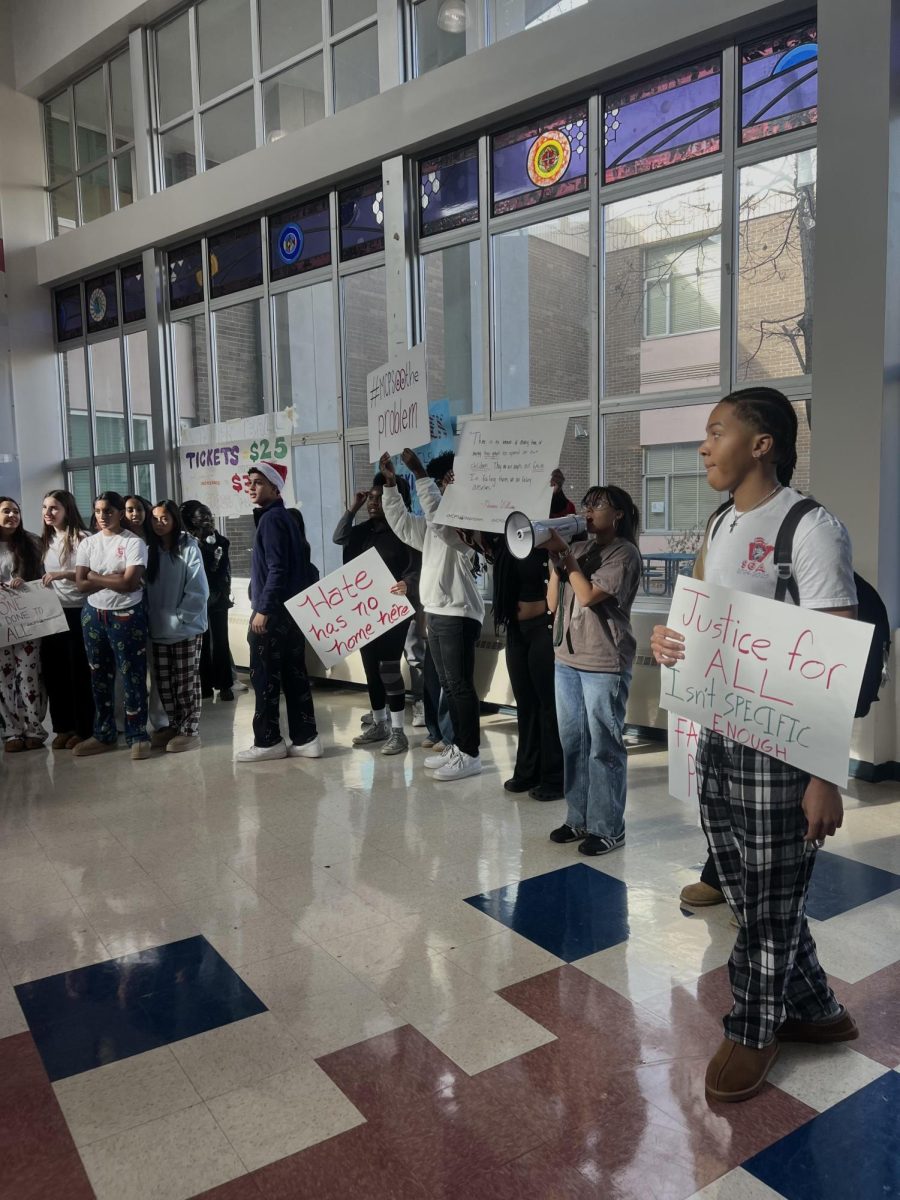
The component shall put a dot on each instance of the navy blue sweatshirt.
(280, 566)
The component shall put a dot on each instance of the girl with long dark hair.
(67, 675)
(109, 571)
(23, 700)
(591, 592)
(216, 665)
(177, 593)
(763, 818)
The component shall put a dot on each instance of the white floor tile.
(237, 1055)
(821, 1076)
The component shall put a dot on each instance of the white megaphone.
(524, 535)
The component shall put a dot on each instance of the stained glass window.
(448, 191)
(669, 119)
(185, 275)
(235, 260)
(67, 302)
(133, 306)
(102, 302)
(361, 218)
(299, 239)
(542, 161)
(779, 84)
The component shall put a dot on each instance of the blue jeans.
(590, 706)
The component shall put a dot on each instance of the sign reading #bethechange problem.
(780, 679)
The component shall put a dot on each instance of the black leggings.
(67, 678)
(381, 660)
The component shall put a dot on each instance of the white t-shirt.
(743, 558)
(68, 593)
(112, 555)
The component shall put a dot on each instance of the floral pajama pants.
(23, 698)
(116, 640)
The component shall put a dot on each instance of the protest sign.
(28, 612)
(502, 467)
(398, 404)
(349, 608)
(683, 737)
(777, 678)
(440, 424)
(214, 461)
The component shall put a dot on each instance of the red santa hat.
(276, 473)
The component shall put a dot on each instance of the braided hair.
(766, 410)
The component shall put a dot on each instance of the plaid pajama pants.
(750, 805)
(176, 666)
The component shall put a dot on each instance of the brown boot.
(737, 1072)
(701, 895)
(14, 745)
(92, 745)
(61, 741)
(161, 738)
(820, 1033)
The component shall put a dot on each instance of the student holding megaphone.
(591, 592)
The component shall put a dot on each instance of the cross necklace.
(758, 504)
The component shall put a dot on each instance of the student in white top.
(109, 570)
(67, 675)
(764, 819)
(23, 701)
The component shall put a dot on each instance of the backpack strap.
(715, 521)
(786, 584)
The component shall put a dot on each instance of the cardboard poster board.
(214, 461)
(398, 404)
(29, 612)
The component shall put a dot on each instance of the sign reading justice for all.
(777, 678)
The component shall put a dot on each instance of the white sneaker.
(237, 686)
(418, 718)
(433, 761)
(459, 766)
(310, 749)
(262, 753)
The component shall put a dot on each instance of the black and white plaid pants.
(750, 805)
(176, 666)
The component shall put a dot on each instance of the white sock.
(397, 719)
(379, 715)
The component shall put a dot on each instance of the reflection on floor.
(334, 978)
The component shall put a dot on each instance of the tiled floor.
(333, 979)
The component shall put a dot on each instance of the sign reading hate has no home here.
(398, 404)
(780, 679)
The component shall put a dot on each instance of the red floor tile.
(243, 1188)
(38, 1159)
(352, 1166)
(390, 1071)
(875, 1005)
(542, 1174)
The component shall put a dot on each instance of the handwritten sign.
(398, 404)
(214, 461)
(349, 608)
(502, 467)
(780, 679)
(440, 424)
(683, 737)
(29, 612)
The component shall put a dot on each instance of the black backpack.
(870, 606)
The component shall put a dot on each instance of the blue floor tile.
(99, 1014)
(572, 912)
(849, 1152)
(839, 884)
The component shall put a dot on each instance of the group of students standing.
(143, 596)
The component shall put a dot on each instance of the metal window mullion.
(223, 97)
(596, 300)
(267, 331)
(533, 214)
(194, 45)
(144, 182)
(289, 63)
(780, 146)
(675, 399)
(487, 289)
(110, 165)
(255, 67)
(444, 241)
(233, 299)
(328, 62)
(365, 262)
(337, 316)
(665, 177)
(728, 295)
(344, 35)
(295, 282)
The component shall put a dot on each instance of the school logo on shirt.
(757, 553)
(120, 551)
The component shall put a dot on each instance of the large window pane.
(96, 194)
(138, 371)
(74, 387)
(512, 16)
(317, 486)
(295, 98)
(173, 69)
(356, 69)
(441, 27)
(191, 365)
(453, 341)
(663, 284)
(345, 13)
(124, 179)
(240, 531)
(287, 28)
(365, 336)
(575, 459)
(239, 360)
(223, 35)
(63, 209)
(775, 268)
(120, 87)
(90, 119)
(81, 485)
(305, 361)
(144, 481)
(58, 135)
(113, 477)
(229, 129)
(179, 154)
(107, 398)
(542, 313)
